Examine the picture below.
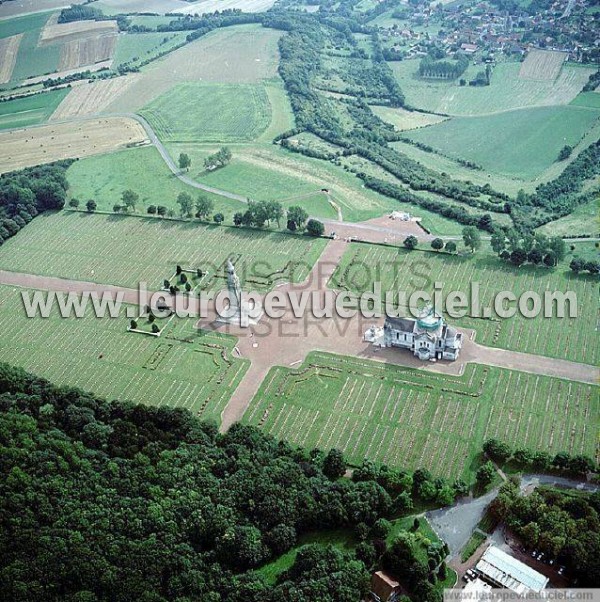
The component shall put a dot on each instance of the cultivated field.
(244, 54)
(411, 419)
(542, 65)
(25, 148)
(93, 97)
(402, 119)
(115, 7)
(193, 112)
(8, 10)
(210, 6)
(8, 56)
(582, 221)
(183, 368)
(135, 48)
(128, 250)
(54, 32)
(30, 110)
(398, 270)
(506, 91)
(86, 51)
(32, 59)
(526, 141)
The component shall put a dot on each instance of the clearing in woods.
(125, 250)
(241, 54)
(93, 97)
(195, 112)
(25, 148)
(9, 48)
(542, 65)
(400, 270)
(184, 368)
(506, 91)
(30, 110)
(410, 419)
(526, 141)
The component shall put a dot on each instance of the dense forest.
(113, 501)
(25, 193)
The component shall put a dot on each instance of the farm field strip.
(87, 51)
(210, 6)
(411, 418)
(568, 338)
(60, 32)
(197, 373)
(30, 110)
(9, 48)
(92, 97)
(128, 250)
(209, 113)
(542, 65)
(29, 147)
(506, 92)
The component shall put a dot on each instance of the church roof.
(402, 324)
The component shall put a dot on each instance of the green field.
(31, 110)
(582, 221)
(12, 27)
(183, 368)
(412, 419)
(526, 141)
(506, 91)
(126, 250)
(400, 270)
(34, 60)
(104, 177)
(137, 47)
(587, 99)
(195, 112)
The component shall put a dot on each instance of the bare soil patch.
(9, 47)
(542, 65)
(33, 146)
(93, 97)
(87, 51)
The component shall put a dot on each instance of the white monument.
(240, 310)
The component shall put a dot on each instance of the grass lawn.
(126, 250)
(31, 110)
(583, 220)
(526, 141)
(411, 419)
(196, 112)
(400, 270)
(104, 177)
(183, 368)
(505, 92)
